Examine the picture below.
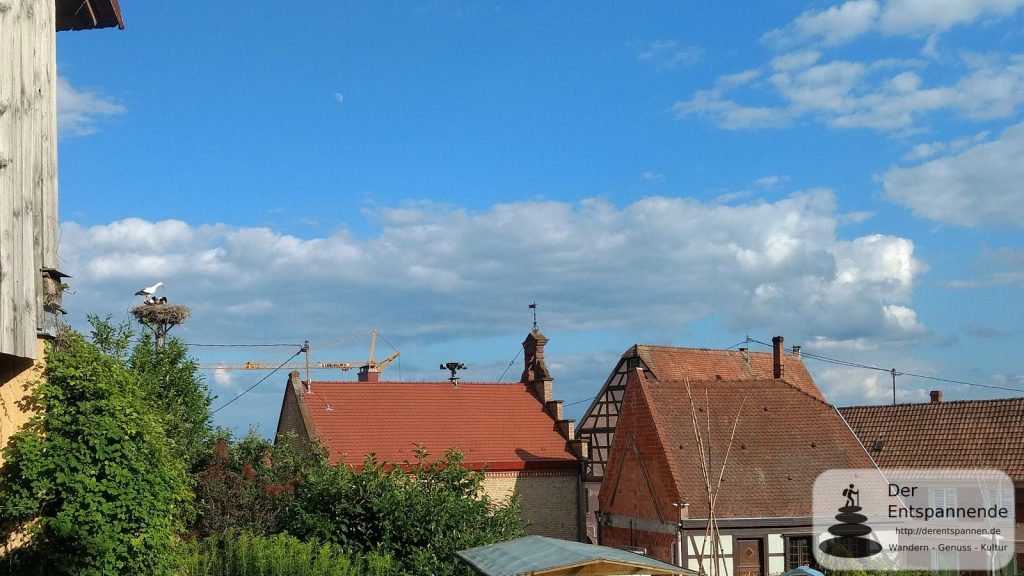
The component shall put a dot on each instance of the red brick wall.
(291, 419)
(638, 482)
(658, 545)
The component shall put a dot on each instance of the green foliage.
(168, 378)
(421, 513)
(243, 554)
(92, 477)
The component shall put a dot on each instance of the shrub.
(244, 554)
(420, 512)
(91, 477)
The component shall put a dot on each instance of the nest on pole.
(161, 314)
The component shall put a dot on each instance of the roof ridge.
(699, 349)
(1014, 399)
(759, 379)
(446, 382)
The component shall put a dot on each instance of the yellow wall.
(548, 499)
(17, 379)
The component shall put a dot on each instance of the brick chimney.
(296, 383)
(936, 396)
(368, 373)
(778, 369)
(535, 373)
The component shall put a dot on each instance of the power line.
(260, 381)
(736, 344)
(959, 382)
(510, 364)
(895, 372)
(241, 345)
(580, 401)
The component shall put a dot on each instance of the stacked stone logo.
(851, 533)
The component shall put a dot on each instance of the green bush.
(92, 477)
(419, 512)
(245, 554)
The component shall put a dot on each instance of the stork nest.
(161, 313)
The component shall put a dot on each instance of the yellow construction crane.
(369, 370)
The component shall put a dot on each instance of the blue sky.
(844, 174)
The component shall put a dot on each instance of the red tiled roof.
(669, 363)
(957, 434)
(500, 426)
(784, 439)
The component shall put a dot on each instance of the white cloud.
(652, 176)
(838, 24)
(849, 386)
(442, 271)
(842, 23)
(80, 111)
(224, 379)
(929, 149)
(795, 60)
(669, 54)
(975, 186)
(855, 217)
(914, 16)
(768, 181)
(886, 95)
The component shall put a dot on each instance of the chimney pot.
(777, 367)
(796, 350)
(367, 374)
(936, 396)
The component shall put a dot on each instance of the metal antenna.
(534, 308)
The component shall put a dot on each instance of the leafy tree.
(419, 512)
(169, 380)
(92, 477)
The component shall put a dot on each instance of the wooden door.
(748, 558)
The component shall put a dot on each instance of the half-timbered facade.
(597, 427)
(686, 417)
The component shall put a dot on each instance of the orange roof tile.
(500, 426)
(957, 434)
(669, 363)
(784, 439)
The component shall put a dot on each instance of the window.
(944, 498)
(945, 563)
(1000, 496)
(799, 552)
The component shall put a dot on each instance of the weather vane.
(453, 367)
(534, 308)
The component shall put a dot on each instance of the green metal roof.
(536, 555)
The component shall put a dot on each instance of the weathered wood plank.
(28, 185)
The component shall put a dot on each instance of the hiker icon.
(851, 532)
(852, 497)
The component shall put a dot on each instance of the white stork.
(148, 292)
